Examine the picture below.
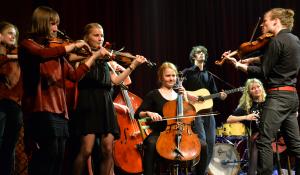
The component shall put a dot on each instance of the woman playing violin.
(95, 115)
(152, 107)
(10, 97)
(44, 72)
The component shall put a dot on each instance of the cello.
(128, 148)
(178, 143)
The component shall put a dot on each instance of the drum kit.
(230, 154)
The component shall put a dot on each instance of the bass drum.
(225, 160)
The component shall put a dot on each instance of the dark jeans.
(10, 125)
(50, 132)
(205, 127)
(279, 112)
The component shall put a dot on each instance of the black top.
(196, 79)
(154, 102)
(281, 61)
(257, 108)
(97, 77)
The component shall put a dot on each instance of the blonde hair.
(246, 100)
(286, 16)
(41, 21)
(163, 67)
(87, 29)
(6, 25)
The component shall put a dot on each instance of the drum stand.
(245, 157)
(177, 169)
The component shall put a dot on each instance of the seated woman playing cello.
(152, 107)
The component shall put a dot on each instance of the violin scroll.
(247, 48)
(224, 58)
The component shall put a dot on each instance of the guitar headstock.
(241, 89)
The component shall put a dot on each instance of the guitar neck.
(212, 96)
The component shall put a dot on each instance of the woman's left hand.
(139, 60)
(223, 95)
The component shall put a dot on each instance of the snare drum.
(219, 131)
(225, 160)
(234, 129)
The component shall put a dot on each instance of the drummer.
(248, 111)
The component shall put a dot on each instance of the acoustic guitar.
(205, 99)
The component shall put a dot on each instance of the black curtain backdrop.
(163, 30)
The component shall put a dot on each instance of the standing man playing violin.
(198, 77)
(44, 70)
(280, 67)
(10, 97)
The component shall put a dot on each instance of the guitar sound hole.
(200, 99)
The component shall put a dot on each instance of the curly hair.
(198, 49)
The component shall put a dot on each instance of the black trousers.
(151, 157)
(50, 132)
(279, 112)
(10, 125)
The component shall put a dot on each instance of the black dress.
(95, 113)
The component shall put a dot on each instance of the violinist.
(95, 115)
(280, 67)
(248, 112)
(197, 77)
(44, 71)
(10, 97)
(152, 106)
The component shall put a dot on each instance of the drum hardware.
(228, 141)
(230, 156)
(224, 162)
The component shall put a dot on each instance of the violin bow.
(254, 31)
(146, 119)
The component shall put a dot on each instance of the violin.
(247, 47)
(55, 42)
(124, 58)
